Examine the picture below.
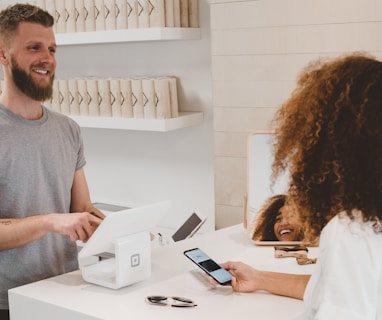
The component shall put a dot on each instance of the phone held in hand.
(203, 261)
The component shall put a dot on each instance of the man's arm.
(78, 225)
(81, 197)
(18, 232)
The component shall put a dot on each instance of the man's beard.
(28, 86)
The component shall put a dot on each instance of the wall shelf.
(185, 119)
(128, 35)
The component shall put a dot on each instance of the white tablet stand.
(131, 263)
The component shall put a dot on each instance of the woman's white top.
(347, 280)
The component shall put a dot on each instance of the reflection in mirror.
(276, 221)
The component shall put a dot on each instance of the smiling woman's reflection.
(275, 221)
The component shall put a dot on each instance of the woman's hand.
(245, 278)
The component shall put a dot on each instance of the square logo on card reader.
(135, 260)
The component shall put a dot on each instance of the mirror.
(259, 171)
(261, 197)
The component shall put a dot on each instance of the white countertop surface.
(69, 297)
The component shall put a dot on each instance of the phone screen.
(208, 265)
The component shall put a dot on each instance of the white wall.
(134, 167)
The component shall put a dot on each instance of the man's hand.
(77, 226)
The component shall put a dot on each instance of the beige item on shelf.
(110, 14)
(193, 13)
(99, 15)
(70, 15)
(143, 13)
(115, 98)
(121, 14)
(83, 98)
(127, 98)
(60, 17)
(93, 102)
(177, 23)
(184, 13)
(55, 101)
(89, 7)
(157, 13)
(103, 86)
(80, 13)
(173, 97)
(50, 6)
(148, 90)
(169, 13)
(64, 96)
(137, 96)
(74, 103)
(132, 16)
(163, 100)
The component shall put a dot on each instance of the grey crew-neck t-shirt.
(38, 160)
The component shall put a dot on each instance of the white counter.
(69, 297)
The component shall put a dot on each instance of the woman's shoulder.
(342, 228)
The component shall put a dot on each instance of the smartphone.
(203, 261)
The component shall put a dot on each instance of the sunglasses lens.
(157, 299)
(184, 300)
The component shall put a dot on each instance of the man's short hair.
(13, 15)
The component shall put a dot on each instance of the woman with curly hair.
(275, 221)
(329, 135)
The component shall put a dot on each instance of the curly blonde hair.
(329, 135)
